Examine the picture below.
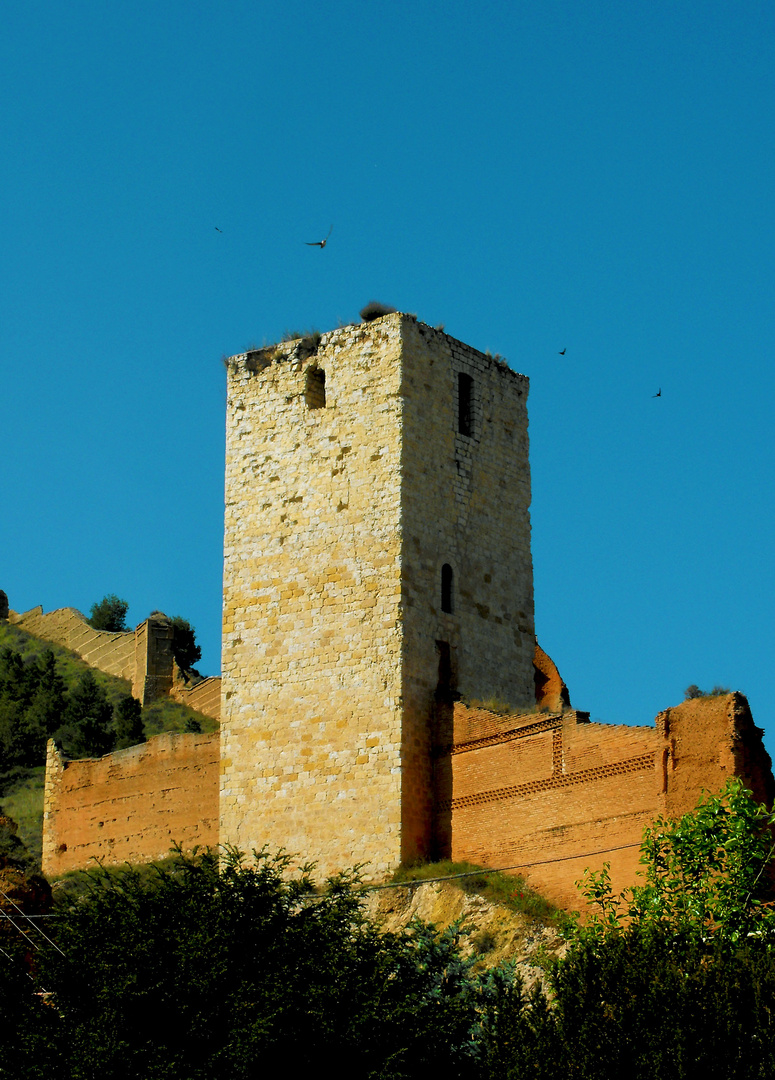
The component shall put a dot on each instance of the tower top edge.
(401, 320)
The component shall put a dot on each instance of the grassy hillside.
(21, 788)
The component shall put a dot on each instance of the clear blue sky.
(596, 177)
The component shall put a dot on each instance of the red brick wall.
(133, 805)
(545, 794)
(551, 795)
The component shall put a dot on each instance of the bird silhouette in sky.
(218, 230)
(319, 243)
(658, 393)
(562, 353)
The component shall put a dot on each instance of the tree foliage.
(222, 967)
(36, 704)
(185, 650)
(219, 966)
(109, 614)
(710, 873)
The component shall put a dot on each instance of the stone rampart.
(142, 656)
(205, 696)
(132, 805)
(113, 653)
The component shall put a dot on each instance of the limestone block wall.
(132, 805)
(311, 749)
(555, 794)
(113, 653)
(360, 471)
(466, 564)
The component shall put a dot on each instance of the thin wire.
(24, 915)
(499, 870)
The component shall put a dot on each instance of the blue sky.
(595, 177)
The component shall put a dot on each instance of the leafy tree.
(215, 967)
(651, 1005)
(709, 873)
(675, 977)
(32, 703)
(128, 722)
(185, 650)
(87, 728)
(109, 613)
(46, 709)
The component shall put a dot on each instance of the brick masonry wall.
(554, 795)
(132, 805)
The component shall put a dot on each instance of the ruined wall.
(547, 795)
(132, 805)
(552, 795)
(351, 482)
(152, 676)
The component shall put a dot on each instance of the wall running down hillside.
(142, 656)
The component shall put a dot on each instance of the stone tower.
(377, 566)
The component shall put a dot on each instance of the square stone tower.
(377, 566)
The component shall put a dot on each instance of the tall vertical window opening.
(315, 388)
(465, 404)
(447, 588)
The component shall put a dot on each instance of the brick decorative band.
(642, 763)
(503, 736)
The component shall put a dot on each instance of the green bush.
(109, 614)
(223, 967)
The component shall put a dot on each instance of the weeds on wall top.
(374, 310)
(694, 691)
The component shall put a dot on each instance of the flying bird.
(217, 229)
(319, 243)
(562, 353)
(658, 393)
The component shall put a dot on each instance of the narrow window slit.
(465, 404)
(447, 589)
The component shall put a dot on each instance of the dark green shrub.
(109, 614)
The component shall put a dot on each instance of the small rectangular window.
(465, 404)
(315, 388)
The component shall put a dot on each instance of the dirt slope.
(495, 933)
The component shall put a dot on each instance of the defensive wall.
(377, 573)
(553, 795)
(545, 794)
(142, 656)
(132, 805)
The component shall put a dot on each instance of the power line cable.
(29, 920)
